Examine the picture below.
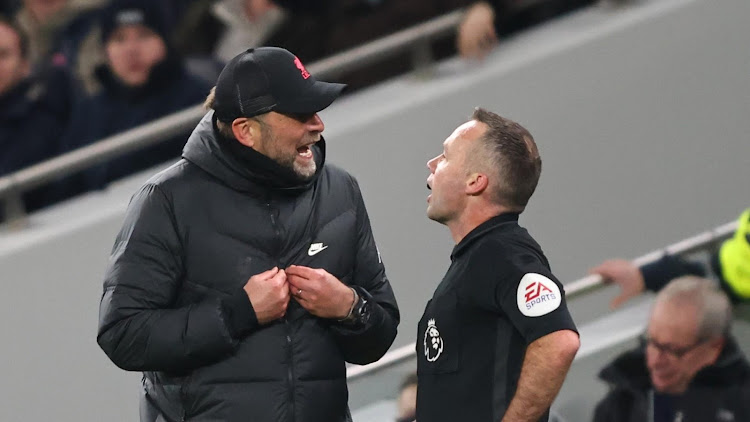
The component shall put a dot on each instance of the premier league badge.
(433, 343)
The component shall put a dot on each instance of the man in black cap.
(246, 275)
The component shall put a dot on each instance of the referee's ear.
(476, 184)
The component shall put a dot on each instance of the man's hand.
(476, 32)
(319, 292)
(269, 294)
(626, 275)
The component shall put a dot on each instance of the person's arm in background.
(633, 280)
(476, 34)
(487, 21)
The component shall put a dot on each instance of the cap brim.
(319, 96)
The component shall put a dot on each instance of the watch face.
(364, 312)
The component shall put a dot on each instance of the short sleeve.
(518, 285)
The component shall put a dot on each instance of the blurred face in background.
(674, 351)
(132, 51)
(43, 10)
(13, 66)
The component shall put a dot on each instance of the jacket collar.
(482, 229)
(243, 168)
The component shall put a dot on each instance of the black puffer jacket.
(718, 393)
(173, 304)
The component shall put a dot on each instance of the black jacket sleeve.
(656, 275)
(140, 327)
(368, 342)
(618, 406)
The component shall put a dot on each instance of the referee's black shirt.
(498, 296)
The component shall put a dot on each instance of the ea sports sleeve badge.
(537, 295)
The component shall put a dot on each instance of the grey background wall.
(641, 117)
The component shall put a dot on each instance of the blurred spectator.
(407, 399)
(62, 33)
(688, 368)
(31, 114)
(210, 32)
(233, 26)
(321, 29)
(486, 21)
(197, 29)
(143, 79)
(730, 265)
(315, 29)
(249, 23)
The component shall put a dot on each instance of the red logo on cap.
(301, 67)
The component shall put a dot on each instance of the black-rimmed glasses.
(676, 352)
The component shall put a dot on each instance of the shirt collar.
(482, 229)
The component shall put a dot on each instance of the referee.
(496, 340)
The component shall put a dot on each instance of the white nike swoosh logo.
(316, 248)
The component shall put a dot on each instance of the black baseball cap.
(266, 79)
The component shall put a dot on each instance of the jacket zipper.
(290, 353)
(290, 373)
(183, 398)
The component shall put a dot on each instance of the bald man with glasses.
(687, 368)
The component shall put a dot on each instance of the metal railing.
(580, 287)
(416, 39)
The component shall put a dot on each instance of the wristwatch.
(359, 314)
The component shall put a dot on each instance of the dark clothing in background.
(30, 121)
(316, 29)
(718, 393)
(66, 48)
(326, 29)
(512, 16)
(9, 7)
(119, 108)
(174, 307)
(658, 274)
(32, 116)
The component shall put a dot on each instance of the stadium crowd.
(73, 72)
